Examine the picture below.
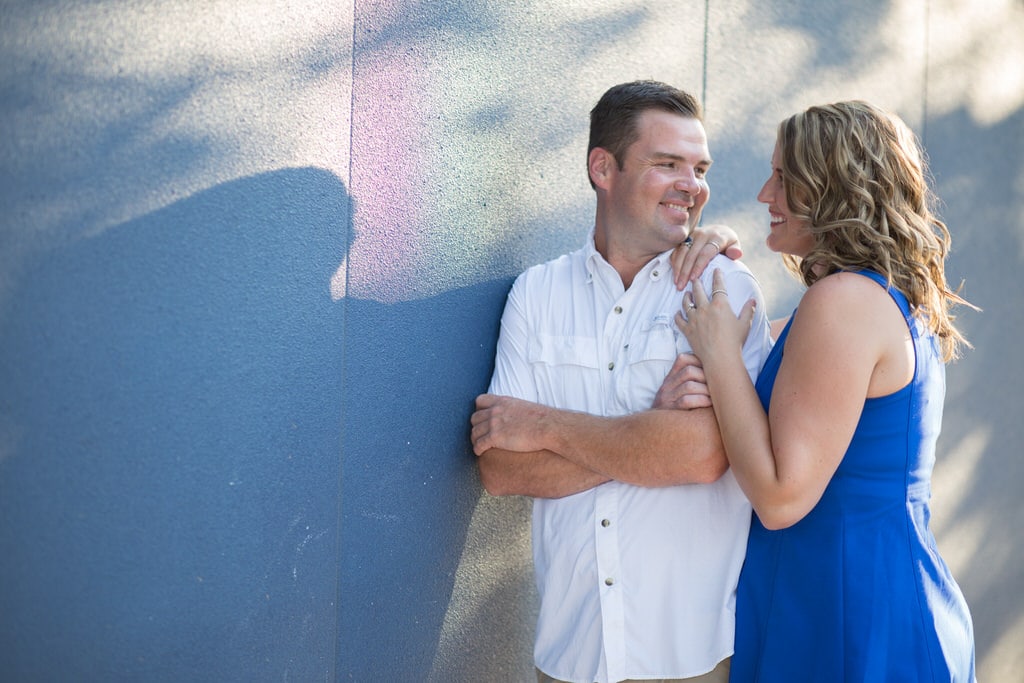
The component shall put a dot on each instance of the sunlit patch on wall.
(976, 54)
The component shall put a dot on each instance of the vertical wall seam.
(704, 65)
(926, 75)
(349, 232)
(350, 228)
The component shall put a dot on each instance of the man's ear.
(600, 164)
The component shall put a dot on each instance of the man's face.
(659, 193)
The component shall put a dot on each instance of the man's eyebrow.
(677, 157)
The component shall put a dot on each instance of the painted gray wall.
(252, 259)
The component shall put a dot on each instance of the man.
(638, 536)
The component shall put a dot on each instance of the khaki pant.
(720, 674)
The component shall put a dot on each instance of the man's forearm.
(539, 474)
(649, 448)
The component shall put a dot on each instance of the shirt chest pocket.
(650, 353)
(565, 370)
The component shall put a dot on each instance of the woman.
(835, 444)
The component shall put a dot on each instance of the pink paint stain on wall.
(392, 169)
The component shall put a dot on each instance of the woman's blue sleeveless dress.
(856, 591)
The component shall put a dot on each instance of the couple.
(648, 562)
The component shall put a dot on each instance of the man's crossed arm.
(529, 449)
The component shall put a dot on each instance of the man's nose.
(688, 182)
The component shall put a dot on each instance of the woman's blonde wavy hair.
(857, 175)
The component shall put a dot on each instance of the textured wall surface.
(252, 260)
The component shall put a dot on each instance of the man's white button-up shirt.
(634, 582)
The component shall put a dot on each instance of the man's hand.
(507, 423)
(685, 387)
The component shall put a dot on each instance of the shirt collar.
(655, 269)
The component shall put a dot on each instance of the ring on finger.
(716, 245)
(692, 306)
(719, 291)
(688, 242)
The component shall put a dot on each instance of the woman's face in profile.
(788, 234)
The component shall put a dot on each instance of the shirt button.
(618, 309)
(611, 366)
(655, 274)
(606, 522)
(609, 581)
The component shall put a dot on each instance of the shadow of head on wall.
(176, 402)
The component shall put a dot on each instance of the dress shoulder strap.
(897, 296)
